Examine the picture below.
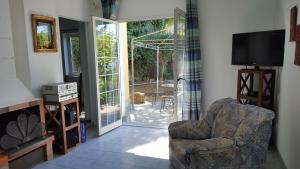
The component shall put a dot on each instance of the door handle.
(181, 78)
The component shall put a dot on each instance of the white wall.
(218, 21)
(288, 136)
(12, 89)
(7, 61)
(134, 10)
(47, 67)
(19, 42)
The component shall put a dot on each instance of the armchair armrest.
(211, 153)
(210, 146)
(195, 130)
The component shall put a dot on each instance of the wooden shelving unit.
(256, 86)
(56, 123)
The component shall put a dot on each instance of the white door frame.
(177, 13)
(103, 130)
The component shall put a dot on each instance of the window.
(71, 54)
(75, 54)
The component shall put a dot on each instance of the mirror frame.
(51, 20)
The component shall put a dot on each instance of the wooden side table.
(56, 122)
(259, 92)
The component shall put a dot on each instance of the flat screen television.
(258, 48)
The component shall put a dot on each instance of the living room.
(25, 70)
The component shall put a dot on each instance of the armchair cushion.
(228, 120)
(215, 108)
(189, 130)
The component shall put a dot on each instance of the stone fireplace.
(19, 127)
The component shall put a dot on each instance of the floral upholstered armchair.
(230, 136)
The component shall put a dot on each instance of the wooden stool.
(139, 98)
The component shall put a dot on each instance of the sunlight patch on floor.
(156, 149)
(132, 117)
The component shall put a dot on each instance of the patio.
(148, 116)
(150, 113)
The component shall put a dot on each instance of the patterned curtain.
(110, 9)
(193, 66)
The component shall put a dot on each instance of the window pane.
(102, 100)
(102, 84)
(108, 66)
(115, 81)
(75, 54)
(115, 65)
(109, 83)
(103, 109)
(110, 107)
(117, 105)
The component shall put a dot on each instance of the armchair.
(230, 136)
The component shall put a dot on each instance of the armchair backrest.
(214, 109)
(228, 118)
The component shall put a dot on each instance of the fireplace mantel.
(25, 105)
(37, 148)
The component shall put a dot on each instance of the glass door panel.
(108, 73)
(178, 64)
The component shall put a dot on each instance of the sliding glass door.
(108, 74)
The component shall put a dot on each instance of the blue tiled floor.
(128, 148)
(123, 148)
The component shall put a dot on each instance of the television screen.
(258, 48)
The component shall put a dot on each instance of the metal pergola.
(162, 40)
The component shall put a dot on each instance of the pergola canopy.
(162, 40)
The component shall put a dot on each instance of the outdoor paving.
(150, 116)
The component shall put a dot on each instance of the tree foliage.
(145, 59)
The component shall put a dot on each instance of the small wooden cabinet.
(56, 123)
(3, 162)
(256, 86)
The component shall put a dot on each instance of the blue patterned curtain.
(193, 67)
(110, 9)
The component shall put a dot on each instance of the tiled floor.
(125, 148)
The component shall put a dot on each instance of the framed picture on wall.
(297, 53)
(293, 22)
(44, 33)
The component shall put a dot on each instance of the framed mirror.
(44, 33)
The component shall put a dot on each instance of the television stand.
(256, 86)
